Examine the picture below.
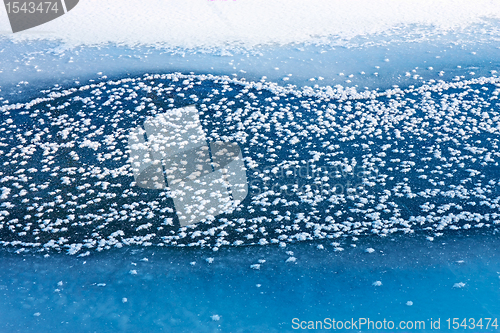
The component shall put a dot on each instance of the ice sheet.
(191, 290)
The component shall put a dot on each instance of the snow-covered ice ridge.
(324, 163)
(247, 23)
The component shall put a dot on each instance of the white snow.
(202, 23)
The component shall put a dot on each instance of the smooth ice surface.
(253, 289)
(408, 56)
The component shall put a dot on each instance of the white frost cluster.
(323, 163)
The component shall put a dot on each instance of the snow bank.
(247, 23)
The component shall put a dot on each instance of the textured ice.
(322, 163)
(424, 153)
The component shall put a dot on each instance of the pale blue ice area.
(408, 57)
(403, 276)
(173, 290)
